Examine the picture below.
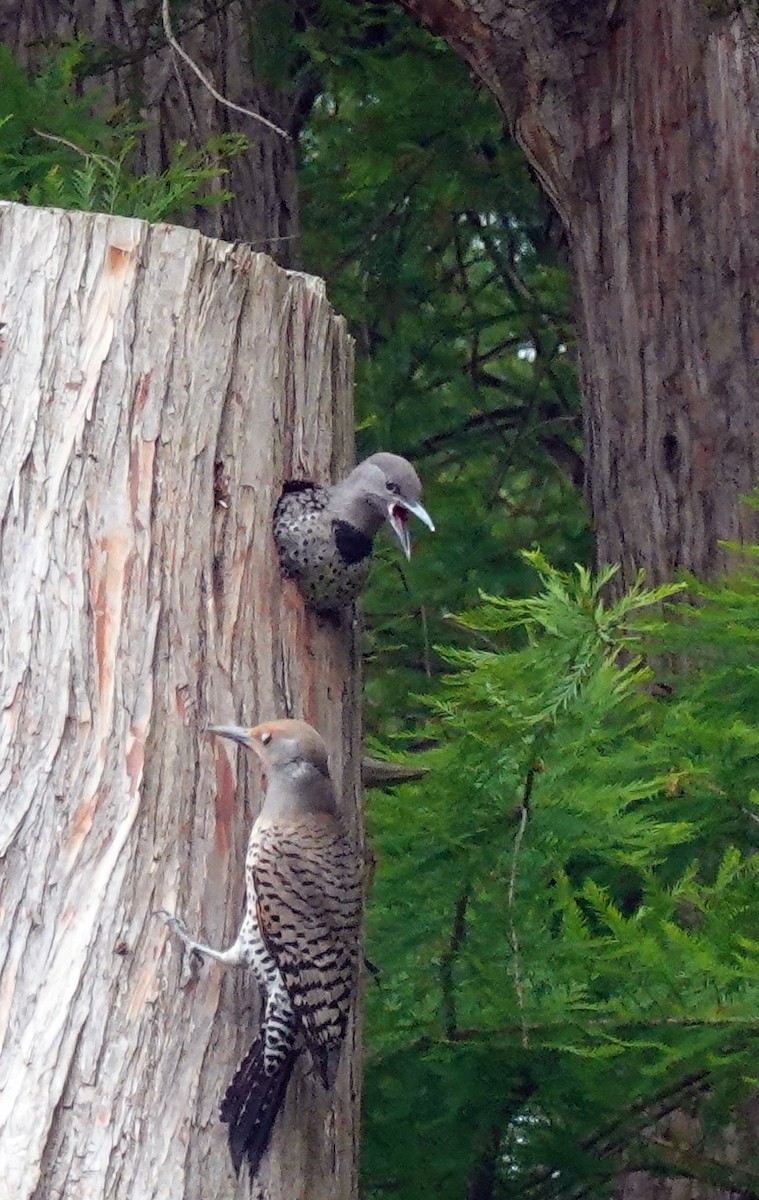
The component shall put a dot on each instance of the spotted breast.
(328, 558)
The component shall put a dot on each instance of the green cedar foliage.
(56, 149)
(565, 908)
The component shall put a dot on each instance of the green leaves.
(56, 150)
(578, 871)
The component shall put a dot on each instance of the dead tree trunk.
(642, 120)
(156, 388)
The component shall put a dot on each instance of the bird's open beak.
(397, 516)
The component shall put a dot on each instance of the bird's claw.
(178, 927)
(174, 923)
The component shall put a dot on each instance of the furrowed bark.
(156, 389)
(642, 121)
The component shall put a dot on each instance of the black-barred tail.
(252, 1102)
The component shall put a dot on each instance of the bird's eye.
(393, 487)
(265, 738)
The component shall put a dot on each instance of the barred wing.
(308, 879)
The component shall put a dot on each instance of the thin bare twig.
(182, 85)
(246, 112)
(426, 639)
(62, 141)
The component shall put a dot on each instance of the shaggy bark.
(143, 75)
(156, 389)
(642, 121)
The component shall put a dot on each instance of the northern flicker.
(324, 534)
(301, 930)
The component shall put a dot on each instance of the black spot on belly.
(352, 544)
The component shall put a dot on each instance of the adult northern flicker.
(301, 929)
(324, 534)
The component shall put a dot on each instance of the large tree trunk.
(157, 388)
(142, 74)
(642, 120)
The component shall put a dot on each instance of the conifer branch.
(640, 1114)
(615, 1025)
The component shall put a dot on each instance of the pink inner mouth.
(400, 514)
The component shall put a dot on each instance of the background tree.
(651, 537)
(641, 122)
(245, 48)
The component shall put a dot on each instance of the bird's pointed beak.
(419, 511)
(236, 733)
(398, 519)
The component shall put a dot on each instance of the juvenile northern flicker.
(324, 534)
(301, 929)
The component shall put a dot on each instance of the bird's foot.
(174, 923)
(180, 929)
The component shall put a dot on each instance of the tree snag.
(156, 390)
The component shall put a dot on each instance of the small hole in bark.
(671, 450)
(220, 485)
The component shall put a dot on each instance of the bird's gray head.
(384, 487)
(281, 745)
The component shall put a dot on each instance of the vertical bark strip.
(156, 388)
